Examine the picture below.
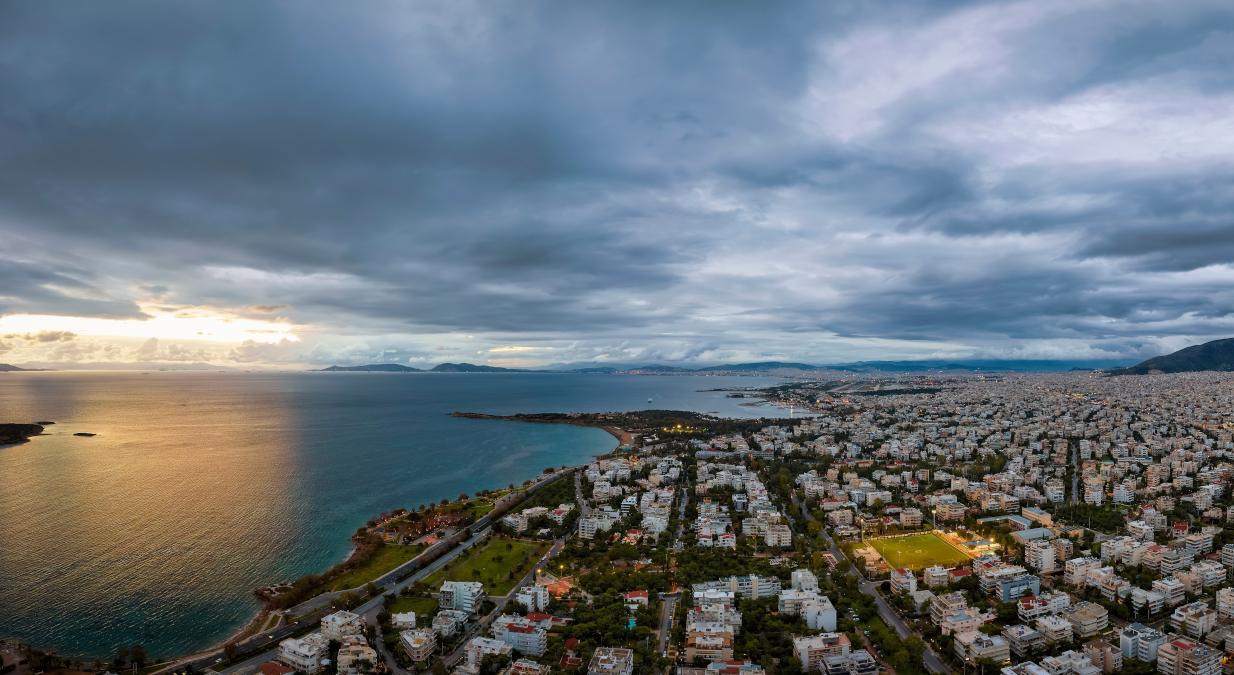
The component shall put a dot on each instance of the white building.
(341, 624)
(478, 647)
(305, 654)
(463, 596)
(419, 645)
(903, 579)
(521, 634)
(534, 598)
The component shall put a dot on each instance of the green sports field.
(917, 552)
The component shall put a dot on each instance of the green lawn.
(494, 563)
(421, 606)
(918, 552)
(386, 560)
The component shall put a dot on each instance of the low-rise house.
(404, 620)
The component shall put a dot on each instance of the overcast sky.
(524, 183)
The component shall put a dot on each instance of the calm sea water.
(200, 487)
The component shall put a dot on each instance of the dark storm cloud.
(712, 174)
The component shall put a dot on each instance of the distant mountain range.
(775, 367)
(441, 368)
(1216, 355)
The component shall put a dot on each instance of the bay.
(200, 487)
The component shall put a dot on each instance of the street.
(888, 614)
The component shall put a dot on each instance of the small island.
(18, 433)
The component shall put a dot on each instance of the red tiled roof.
(538, 616)
(275, 668)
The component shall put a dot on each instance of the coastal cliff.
(18, 433)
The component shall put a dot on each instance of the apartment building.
(1022, 639)
(1195, 620)
(1140, 642)
(341, 624)
(903, 579)
(534, 598)
(934, 576)
(1039, 555)
(974, 645)
(305, 654)
(947, 604)
(813, 650)
(1087, 618)
(354, 649)
(1105, 656)
(462, 596)
(1182, 656)
(1054, 628)
(1032, 607)
(520, 633)
(476, 649)
(419, 645)
(1172, 589)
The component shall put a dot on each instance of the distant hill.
(591, 370)
(659, 369)
(470, 368)
(759, 367)
(1216, 355)
(374, 368)
(6, 368)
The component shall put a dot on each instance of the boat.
(649, 400)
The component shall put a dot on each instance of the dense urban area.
(1044, 524)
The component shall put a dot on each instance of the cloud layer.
(691, 181)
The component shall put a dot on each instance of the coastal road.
(372, 607)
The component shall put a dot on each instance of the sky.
(526, 183)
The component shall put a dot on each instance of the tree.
(462, 497)
(122, 655)
(438, 667)
(843, 566)
(370, 589)
(229, 650)
(137, 655)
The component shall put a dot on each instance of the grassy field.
(494, 563)
(917, 552)
(390, 557)
(421, 606)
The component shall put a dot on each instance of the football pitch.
(918, 552)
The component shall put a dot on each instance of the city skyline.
(525, 184)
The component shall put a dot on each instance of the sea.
(200, 486)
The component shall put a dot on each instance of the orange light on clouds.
(184, 323)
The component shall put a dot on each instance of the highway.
(269, 639)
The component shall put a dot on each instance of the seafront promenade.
(264, 645)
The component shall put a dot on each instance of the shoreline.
(623, 437)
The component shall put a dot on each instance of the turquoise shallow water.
(202, 486)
